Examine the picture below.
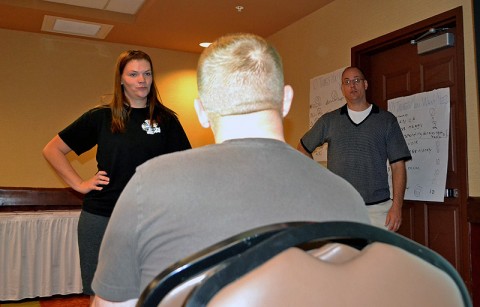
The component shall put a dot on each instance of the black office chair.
(391, 270)
(173, 285)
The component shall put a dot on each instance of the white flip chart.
(424, 119)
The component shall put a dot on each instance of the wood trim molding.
(33, 199)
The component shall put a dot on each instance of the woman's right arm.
(55, 153)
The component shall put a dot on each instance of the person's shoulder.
(167, 116)
(100, 110)
(172, 118)
(334, 114)
(382, 112)
(338, 111)
(97, 113)
(390, 116)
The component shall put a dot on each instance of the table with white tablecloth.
(39, 254)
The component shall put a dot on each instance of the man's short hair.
(240, 74)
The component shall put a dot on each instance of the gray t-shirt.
(178, 204)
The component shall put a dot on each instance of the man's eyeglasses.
(352, 81)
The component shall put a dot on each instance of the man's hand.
(394, 218)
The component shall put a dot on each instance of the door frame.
(360, 57)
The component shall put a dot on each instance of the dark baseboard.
(473, 213)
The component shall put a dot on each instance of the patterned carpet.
(55, 301)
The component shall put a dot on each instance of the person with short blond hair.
(181, 203)
(240, 76)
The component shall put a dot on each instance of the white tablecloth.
(39, 254)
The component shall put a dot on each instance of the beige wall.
(322, 42)
(49, 81)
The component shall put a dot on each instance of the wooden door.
(394, 69)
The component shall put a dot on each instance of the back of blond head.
(240, 74)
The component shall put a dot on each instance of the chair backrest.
(171, 287)
(389, 270)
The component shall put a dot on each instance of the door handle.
(451, 193)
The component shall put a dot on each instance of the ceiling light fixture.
(120, 6)
(75, 27)
(239, 8)
(67, 26)
(205, 44)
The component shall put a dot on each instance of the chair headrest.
(379, 275)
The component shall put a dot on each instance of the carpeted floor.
(55, 301)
